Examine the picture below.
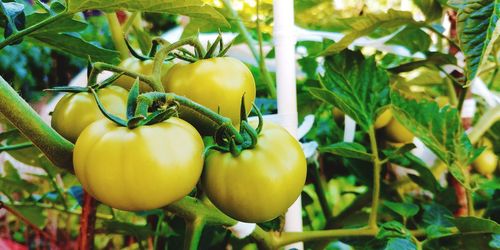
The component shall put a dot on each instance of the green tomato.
(396, 132)
(75, 111)
(261, 183)
(143, 67)
(486, 163)
(139, 169)
(383, 119)
(216, 83)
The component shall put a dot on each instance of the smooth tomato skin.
(143, 67)
(75, 111)
(383, 119)
(139, 169)
(396, 132)
(261, 183)
(486, 163)
(216, 83)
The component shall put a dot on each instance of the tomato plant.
(259, 184)
(141, 67)
(75, 111)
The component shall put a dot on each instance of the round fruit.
(486, 163)
(442, 101)
(143, 67)
(139, 169)
(75, 111)
(261, 183)
(383, 119)
(396, 132)
(216, 83)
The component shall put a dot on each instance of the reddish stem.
(27, 222)
(87, 223)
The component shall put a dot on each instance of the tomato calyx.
(214, 49)
(89, 88)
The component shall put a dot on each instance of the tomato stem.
(377, 167)
(194, 229)
(98, 67)
(117, 35)
(16, 146)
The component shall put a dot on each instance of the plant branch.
(377, 167)
(16, 146)
(434, 30)
(16, 36)
(57, 149)
(100, 66)
(117, 35)
(194, 229)
(485, 122)
(266, 76)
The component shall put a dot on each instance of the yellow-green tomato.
(216, 83)
(486, 163)
(75, 111)
(396, 132)
(259, 184)
(143, 67)
(383, 119)
(139, 169)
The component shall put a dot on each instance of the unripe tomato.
(486, 163)
(216, 83)
(442, 101)
(396, 132)
(75, 111)
(138, 169)
(383, 119)
(261, 183)
(143, 67)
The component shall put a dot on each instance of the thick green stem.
(117, 35)
(57, 149)
(163, 53)
(193, 233)
(13, 38)
(291, 237)
(266, 76)
(377, 168)
(470, 201)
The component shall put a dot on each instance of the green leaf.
(439, 129)
(34, 214)
(478, 27)
(476, 224)
(392, 229)
(76, 46)
(191, 8)
(431, 8)
(348, 149)
(460, 241)
(364, 25)
(400, 244)
(355, 85)
(433, 58)
(139, 232)
(437, 215)
(67, 24)
(16, 19)
(404, 209)
(11, 182)
(412, 38)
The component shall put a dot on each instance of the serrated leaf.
(355, 85)
(404, 209)
(348, 149)
(400, 244)
(366, 24)
(460, 241)
(476, 224)
(413, 38)
(478, 27)
(67, 24)
(432, 58)
(74, 45)
(392, 229)
(191, 8)
(439, 129)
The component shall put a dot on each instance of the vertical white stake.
(284, 42)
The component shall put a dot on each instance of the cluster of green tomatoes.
(155, 164)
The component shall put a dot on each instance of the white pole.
(284, 42)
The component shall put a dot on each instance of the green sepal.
(213, 47)
(259, 116)
(243, 111)
(70, 89)
(160, 115)
(108, 81)
(132, 99)
(134, 53)
(113, 118)
(224, 51)
(154, 48)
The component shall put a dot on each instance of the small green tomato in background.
(486, 163)
(383, 119)
(396, 132)
(261, 183)
(75, 111)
